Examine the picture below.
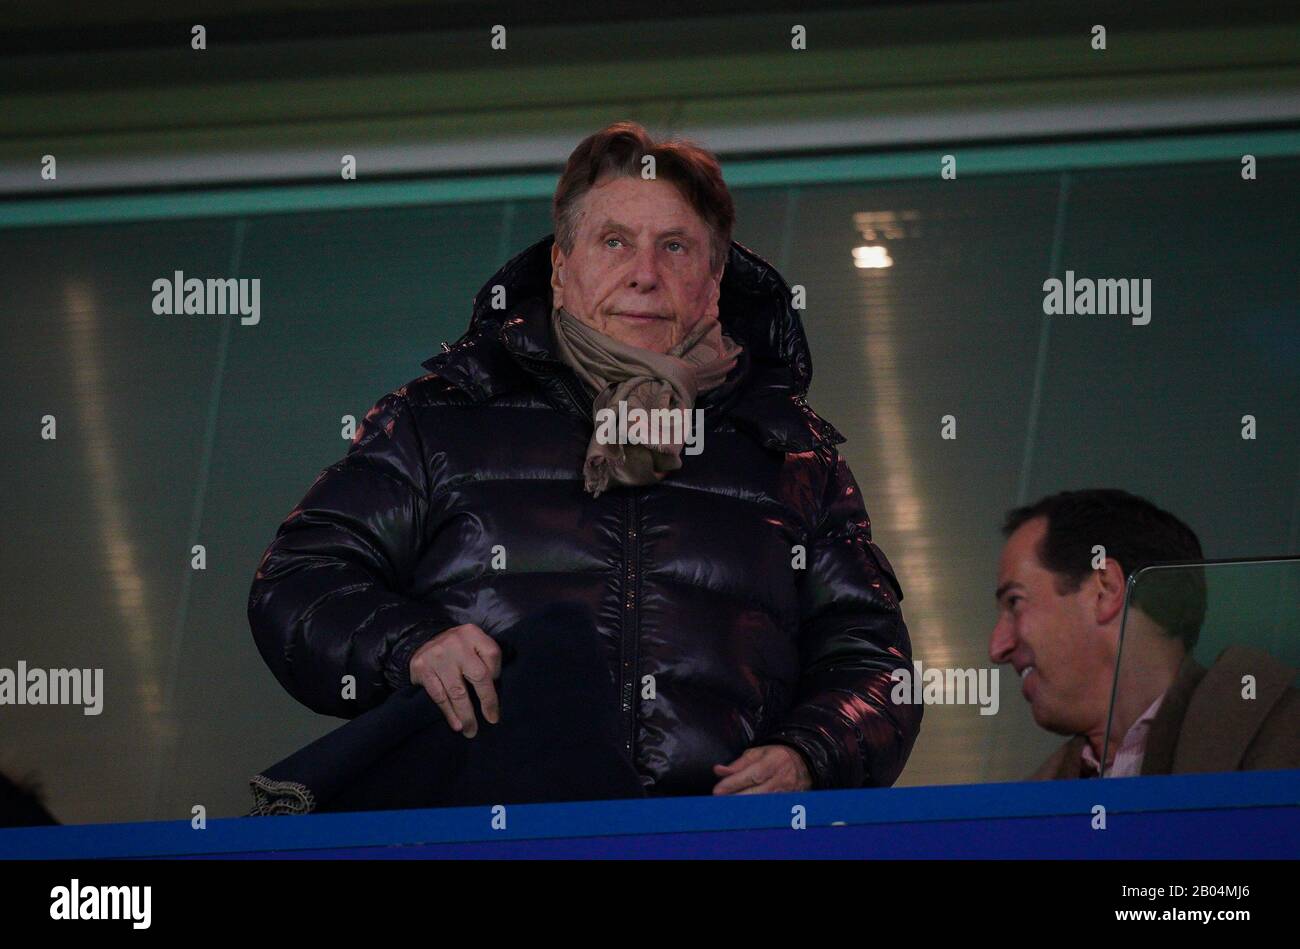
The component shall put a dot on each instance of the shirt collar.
(1133, 743)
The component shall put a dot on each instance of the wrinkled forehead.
(643, 206)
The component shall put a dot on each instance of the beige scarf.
(644, 379)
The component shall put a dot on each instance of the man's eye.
(678, 243)
(608, 239)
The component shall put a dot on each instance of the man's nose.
(645, 269)
(1002, 642)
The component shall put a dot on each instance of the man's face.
(1065, 659)
(639, 269)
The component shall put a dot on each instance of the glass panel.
(1215, 648)
(184, 430)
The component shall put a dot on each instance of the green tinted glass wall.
(176, 431)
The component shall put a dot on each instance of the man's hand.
(764, 769)
(447, 662)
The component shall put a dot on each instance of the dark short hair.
(1134, 532)
(617, 150)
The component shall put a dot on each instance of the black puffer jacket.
(697, 581)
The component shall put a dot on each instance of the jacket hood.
(753, 307)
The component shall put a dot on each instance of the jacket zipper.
(631, 566)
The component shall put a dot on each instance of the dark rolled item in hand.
(558, 738)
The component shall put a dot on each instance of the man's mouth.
(642, 317)
(1024, 681)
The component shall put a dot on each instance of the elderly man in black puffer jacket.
(750, 623)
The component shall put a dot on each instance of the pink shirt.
(1128, 758)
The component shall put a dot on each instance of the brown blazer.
(1204, 724)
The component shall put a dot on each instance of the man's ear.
(557, 275)
(1110, 587)
(715, 292)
